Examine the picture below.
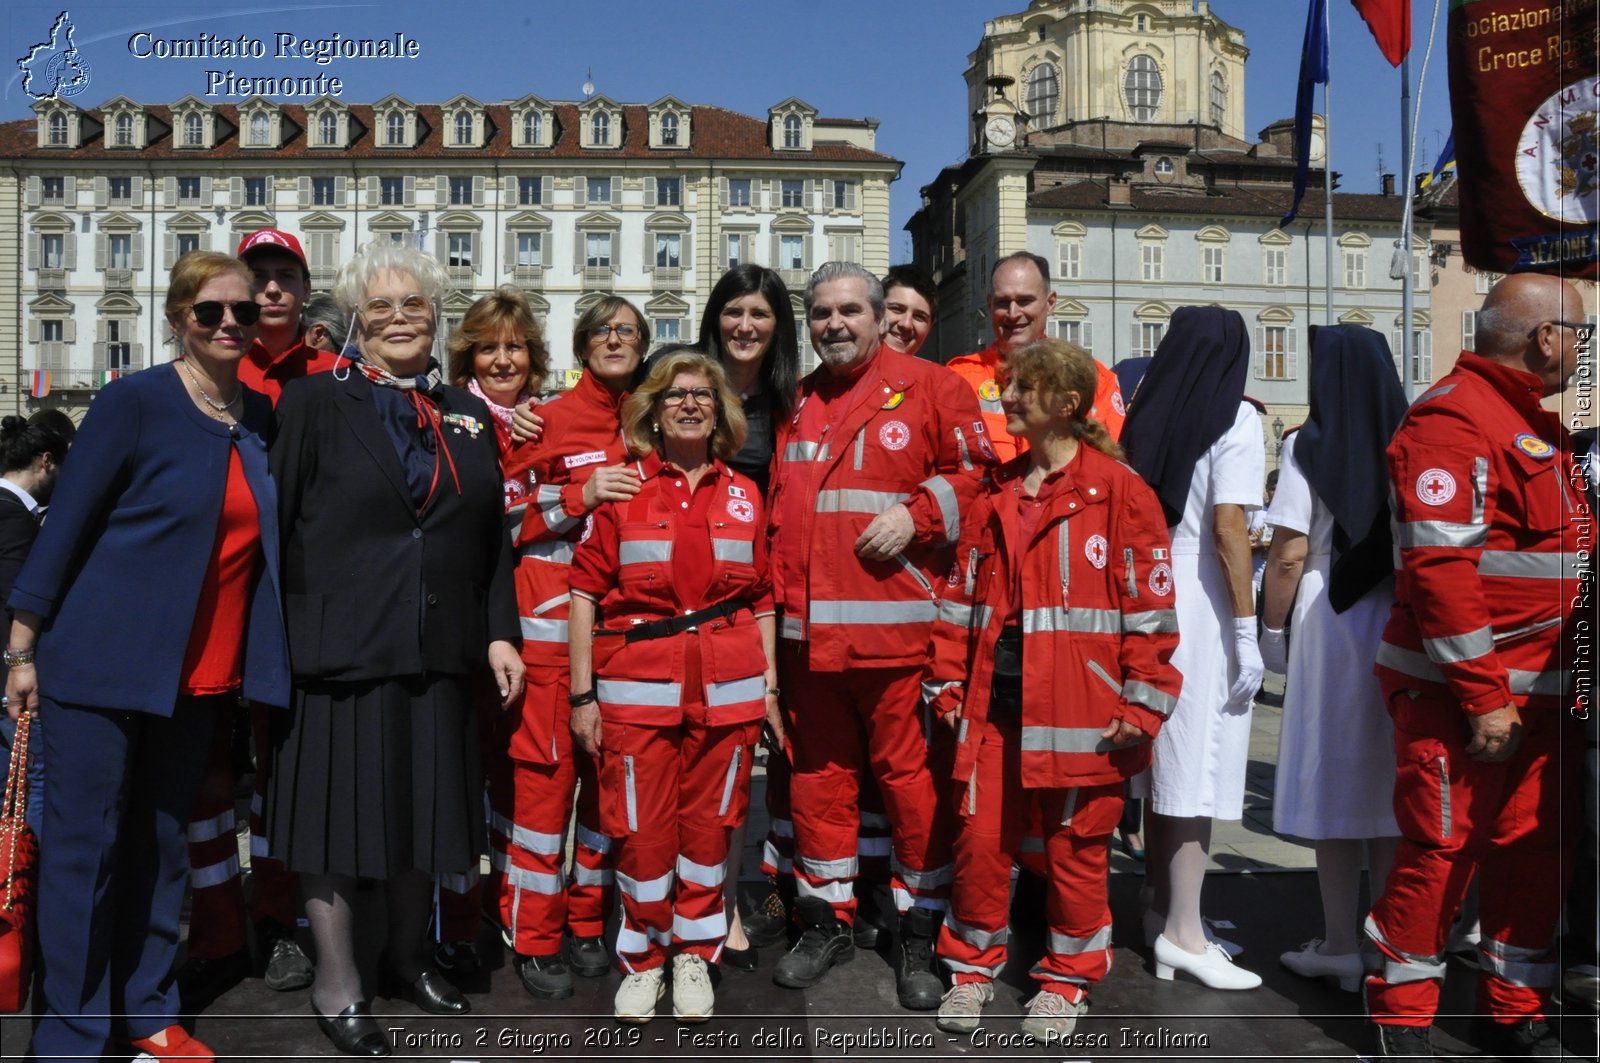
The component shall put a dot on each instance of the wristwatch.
(14, 658)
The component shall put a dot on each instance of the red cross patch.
(1161, 579)
(1435, 487)
(1117, 404)
(1095, 550)
(894, 435)
(741, 510)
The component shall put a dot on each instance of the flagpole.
(1409, 165)
(1327, 180)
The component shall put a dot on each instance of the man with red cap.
(282, 282)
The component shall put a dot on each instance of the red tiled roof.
(715, 133)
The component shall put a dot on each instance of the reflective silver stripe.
(639, 692)
(550, 603)
(1420, 533)
(1551, 683)
(1527, 629)
(952, 612)
(631, 942)
(874, 847)
(727, 786)
(961, 448)
(214, 874)
(535, 629)
(957, 967)
(1444, 797)
(1375, 932)
(459, 881)
(905, 901)
(978, 939)
(556, 551)
(1515, 564)
(1452, 649)
(1064, 740)
(735, 691)
(1443, 389)
(593, 841)
(1094, 666)
(1081, 621)
(1039, 972)
(523, 838)
(792, 627)
(800, 452)
(1410, 662)
(858, 612)
(733, 550)
(513, 523)
(644, 552)
(204, 830)
(1153, 622)
(782, 828)
(535, 881)
(706, 928)
(631, 795)
(258, 847)
(873, 821)
(949, 511)
(548, 499)
(1067, 945)
(857, 501)
(829, 869)
(834, 892)
(588, 876)
(1529, 968)
(700, 874)
(930, 879)
(1069, 806)
(1157, 701)
(861, 447)
(1480, 487)
(931, 691)
(1404, 973)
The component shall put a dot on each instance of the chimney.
(1119, 192)
(1388, 184)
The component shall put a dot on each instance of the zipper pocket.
(972, 570)
(922, 581)
(1528, 630)
(1094, 666)
(632, 798)
(1444, 798)
(1127, 563)
(733, 774)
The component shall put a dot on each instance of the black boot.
(875, 914)
(824, 941)
(917, 983)
(769, 924)
(1397, 1041)
(1514, 1040)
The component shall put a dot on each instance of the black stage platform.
(853, 1013)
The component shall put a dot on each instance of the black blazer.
(18, 529)
(372, 591)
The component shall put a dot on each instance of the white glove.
(1274, 650)
(1251, 669)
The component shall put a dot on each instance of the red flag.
(1390, 23)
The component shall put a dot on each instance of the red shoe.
(179, 1045)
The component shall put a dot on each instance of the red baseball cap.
(269, 239)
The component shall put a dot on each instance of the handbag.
(19, 853)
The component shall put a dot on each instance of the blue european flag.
(1313, 71)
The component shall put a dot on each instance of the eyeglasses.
(209, 314)
(380, 312)
(678, 396)
(1582, 328)
(625, 333)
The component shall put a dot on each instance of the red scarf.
(419, 391)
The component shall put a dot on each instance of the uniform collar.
(1522, 389)
(263, 360)
(595, 393)
(653, 464)
(21, 492)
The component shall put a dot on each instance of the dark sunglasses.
(210, 314)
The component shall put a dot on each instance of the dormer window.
(394, 129)
(463, 127)
(793, 132)
(600, 128)
(669, 130)
(193, 131)
(258, 128)
(328, 129)
(1141, 23)
(58, 130)
(123, 131)
(532, 128)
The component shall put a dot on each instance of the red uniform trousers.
(530, 806)
(873, 844)
(671, 797)
(843, 725)
(996, 811)
(218, 911)
(1514, 823)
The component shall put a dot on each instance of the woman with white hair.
(398, 595)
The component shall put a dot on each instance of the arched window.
(395, 128)
(327, 129)
(1044, 92)
(532, 128)
(600, 128)
(463, 127)
(669, 129)
(1141, 88)
(58, 128)
(1219, 98)
(793, 135)
(192, 131)
(124, 133)
(258, 128)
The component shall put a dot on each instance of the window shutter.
(775, 250)
(410, 191)
(169, 186)
(616, 252)
(99, 365)
(508, 190)
(374, 192)
(809, 259)
(101, 250)
(811, 193)
(511, 251)
(35, 250)
(722, 190)
(441, 190)
(477, 191)
(236, 192)
(1291, 346)
(579, 239)
(650, 251)
(616, 190)
(1261, 348)
(305, 193)
(546, 188)
(649, 191)
(441, 247)
(100, 330)
(205, 192)
(33, 330)
(70, 330)
(136, 190)
(102, 192)
(474, 246)
(580, 189)
(341, 188)
(69, 191)
(747, 247)
(35, 191)
(205, 241)
(1397, 349)
(138, 356)
(138, 251)
(70, 259)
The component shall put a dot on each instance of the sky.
(899, 61)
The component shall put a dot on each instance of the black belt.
(1005, 685)
(660, 629)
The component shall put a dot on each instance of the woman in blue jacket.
(148, 605)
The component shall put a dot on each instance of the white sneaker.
(692, 995)
(961, 1009)
(1212, 967)
(638, 995)
(1051, 1016)
(1309, 961)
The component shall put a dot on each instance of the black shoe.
(545, 977)
(917, 983)
(588, 956)
(746, 959)
(288, 967)
(825, 941)
(769, 924)
(1514, 1040)
(201, 981)
(429, 991)
(457, 958)
(1397, 1041)
(354, 1031)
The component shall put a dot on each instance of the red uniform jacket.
(980, 370)
(1097, 620)
(1488, 530)
(625, 562)
(269, 375)
(911, 434)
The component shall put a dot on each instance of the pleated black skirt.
(377, 778)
